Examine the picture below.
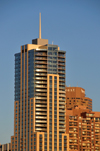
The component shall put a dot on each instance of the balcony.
(61, 122)
(40, 74)
(61, 114)
(41, 129)
(39, 94)
(61, 99)
(42, 86)
(62, 91)
(40, 98)
(41, 82)
(42, 90)
(41, 125)
(62, 126)
(62, 107)
(62, 79)
(61, 95)
(61, 63)
(62, 110)
(40, 62)
(61, 55)
(41, 121)
(41, 113)
(61, 60)
(41, 70)
(62, 130)
(61, 87)
(40, 109)
(61, 103)
(40, 66)
(61, 68)
(40, 58)
(62, 118)
(41, 117)
(37, 105)
(62, 83)
(40, 53)
(41, 101)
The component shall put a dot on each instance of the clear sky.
(74, 25)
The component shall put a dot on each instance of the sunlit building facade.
(76, 96)
(83, 127)
(39, 106)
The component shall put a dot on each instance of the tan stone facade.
(39, 108)
(82, 124)
(83, 127)
(76, 96)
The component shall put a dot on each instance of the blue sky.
(74, 25)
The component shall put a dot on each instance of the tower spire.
(39, 25)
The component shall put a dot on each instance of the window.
(34, 139)
(50, 77)
(55, 89)
(34, 135)
(50, 81)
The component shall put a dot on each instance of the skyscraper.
(39, 106)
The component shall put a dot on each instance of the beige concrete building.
(82, 124)
(76, 96)
(39, 107)
(83, 127)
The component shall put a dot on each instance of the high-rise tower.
(39, 107)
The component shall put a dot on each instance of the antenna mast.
(39, 25)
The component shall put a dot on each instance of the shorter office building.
(83, 127)
(5, 147)
(76, 96)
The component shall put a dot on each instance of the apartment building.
(39, 106)
(83, 127)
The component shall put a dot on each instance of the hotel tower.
(39, 106)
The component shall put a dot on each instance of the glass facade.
(17, 77)
(31, 80)
(52, 59)
(17, 89)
